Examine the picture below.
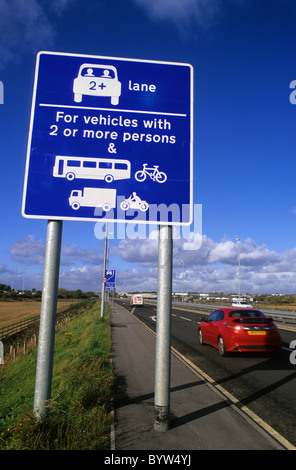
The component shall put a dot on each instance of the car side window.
(216, 316)
(212, 317)
(220, 315)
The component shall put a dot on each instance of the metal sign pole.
(47, 318)
(104, 271)
(1, 353)
(163, 330)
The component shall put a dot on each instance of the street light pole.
(104, 272)
(238, 239)
(182, 261)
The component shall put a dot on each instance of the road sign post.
(110, 139)
(163, 330)
(47, 318)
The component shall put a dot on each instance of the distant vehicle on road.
(239, 330)
(241, 303)
(137, 299)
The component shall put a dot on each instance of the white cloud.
(213, 267)
(26, 26)
(84, 277)
(84, 272)
(73, 253)
(142, 279)
(181, 12)
(224, 252)
(188, 15)
(28, 250)
(3, 269)
(137, 251)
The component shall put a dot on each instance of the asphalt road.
(266, 385)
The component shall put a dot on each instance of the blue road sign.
(110, 139)
(110, 275)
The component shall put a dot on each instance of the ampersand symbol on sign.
(111, 148)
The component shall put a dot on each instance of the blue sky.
(243, 54)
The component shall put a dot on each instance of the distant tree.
(4, 287)
(78, 294)
(64, 293)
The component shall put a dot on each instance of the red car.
(239, 330)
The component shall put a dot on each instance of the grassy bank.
(81, 391)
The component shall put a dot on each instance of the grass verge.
(82, 391)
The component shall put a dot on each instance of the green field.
(14, 311)
(82, 388)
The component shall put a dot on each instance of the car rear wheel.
(221, 347)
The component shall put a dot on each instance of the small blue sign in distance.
(110, 139)
(110, 275)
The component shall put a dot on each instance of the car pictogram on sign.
(97, 80)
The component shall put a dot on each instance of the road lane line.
(184, 318)
(235, 403)
(244, 411)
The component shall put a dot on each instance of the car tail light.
(232, 326)
(253, 323)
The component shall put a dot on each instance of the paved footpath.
(200, 418)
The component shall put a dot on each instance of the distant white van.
(137, 299)
(241, 303)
